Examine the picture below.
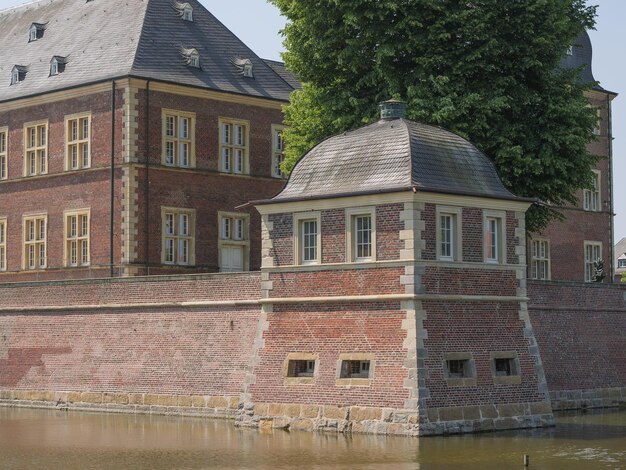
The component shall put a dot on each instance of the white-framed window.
(77, 227)
(194, 59)
(621, 263)
(593, 253)
(278, 151)
(540, 259)
(597, 130)
(355, 369)
(494, 238)
(234, 241)
(32, 33)
(178, 138)
(234, 146)
(361, 236)
(448, 237)
(35, 237)
(178, 229)
(591, 197)
(4, 150)
(36, 148)
(307, 237)
(77, 141)
(3, 244)
(187, 12)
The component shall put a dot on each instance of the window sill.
(299, 380)
(353, 382)
(461, 382)
(507, 380)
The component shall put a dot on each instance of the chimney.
(392, 109)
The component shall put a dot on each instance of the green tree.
(486, 69)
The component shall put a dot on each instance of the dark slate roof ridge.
(287, 75)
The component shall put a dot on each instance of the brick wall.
(388, 226)
(477, 328)
(338, 282)
(333, 236)
(581, 332)
(330, 330)
(472, 235)
(167, 350)
(457, 281)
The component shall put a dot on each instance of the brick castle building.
(392, 287)
(129, 132)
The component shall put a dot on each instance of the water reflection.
(32, 439)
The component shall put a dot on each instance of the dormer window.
(185, 11)
(245, 67)
(570, 50)
(36, 31)
(57, 65)
(192, 57)
(18, 74)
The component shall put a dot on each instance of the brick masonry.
(580, 331)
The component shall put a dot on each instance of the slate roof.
(105, 39)
(393, 155)
(582, 56)
(285, 74)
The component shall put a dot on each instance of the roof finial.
(392, 109)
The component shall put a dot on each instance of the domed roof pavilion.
(393, 155)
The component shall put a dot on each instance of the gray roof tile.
(115, 38)
(392, 155)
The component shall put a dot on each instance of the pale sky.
(257, 23)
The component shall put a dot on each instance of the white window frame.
(456, 215)
(176, 237)
(589, 268)
(540, 256)
(278, 151)
(78, 142)
(32, 33)
(234, 238)
(39, 151)
(4, 153)
(299, 220)
(177, 140)
(500, 219)
(230, 146)
(187, 12)
(3, 244)
(77, 237)
(351, 233)
(591, 197)
(15, 76)
(37, 238)
(194, 59)
(621, 263)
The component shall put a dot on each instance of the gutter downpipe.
(147, 182)
(610, 188)
(112, 221)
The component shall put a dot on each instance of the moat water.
(51, 440)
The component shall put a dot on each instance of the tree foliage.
(485, 69)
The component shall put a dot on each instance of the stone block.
(451, 414)
(309, 411)
(266, 425)
(334, 412)
(216, 402)
(167, 400)
(281, 423)
(302, 424)
(488, 411)
(233, 403)
(471, 413)
(186, 401)
(276, 409)
(365, 413)
(262, 409)
(91, 397)
(433, 415)
(484, 425)
(73, 397)
(540, 408)
(196, 401)
(150, 399)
